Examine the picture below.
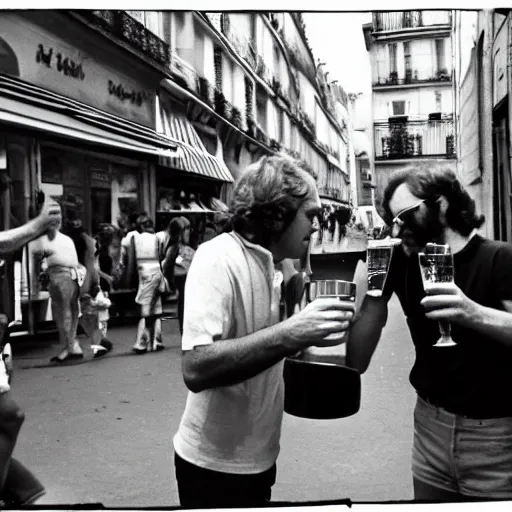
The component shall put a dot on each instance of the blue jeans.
(469, 457)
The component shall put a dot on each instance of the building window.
(277, 62)
(398, 108)
(150, 19)
(392, 58)
(407, 62)
(280, 127)
(438, 101)
(261, 107)
(440, 56)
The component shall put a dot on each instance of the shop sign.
(61, 63)
(100, 178)
(86, 73)
(500, 79)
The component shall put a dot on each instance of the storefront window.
(90, 188)
(125, 196)
(103, 192)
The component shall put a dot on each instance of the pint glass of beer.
(379, 259)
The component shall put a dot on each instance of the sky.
(337, 39)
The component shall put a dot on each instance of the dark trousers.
(21, 486)
(204, 488)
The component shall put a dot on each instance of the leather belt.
(472, 416)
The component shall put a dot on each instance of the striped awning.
(25, 104)
(191, 155)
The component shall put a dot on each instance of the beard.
(428, 229)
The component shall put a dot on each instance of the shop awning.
(24, 104)
(192, 156)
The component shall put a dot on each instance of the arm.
(366, 331)
(453, 305)
(229, 362)
(209, 361)
(14, 239)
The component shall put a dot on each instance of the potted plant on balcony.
(260, 67)
(251, 126)
(205, 91)
(236, 117)
(393, 78)
(442, 74)
(274, 21)
(220, 103)
(450, 146)
(276, 86)
(275, 145)
(398, 140)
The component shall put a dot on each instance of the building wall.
(419, 102)
(423, 58)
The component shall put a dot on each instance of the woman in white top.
(150, 284)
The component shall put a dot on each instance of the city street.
(101, 432)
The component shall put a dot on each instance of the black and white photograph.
(255, 258)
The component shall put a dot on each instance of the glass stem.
(445, 328)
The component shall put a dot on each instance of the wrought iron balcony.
(121, 25)
(414, 139)
(412, 77)
(400, 20)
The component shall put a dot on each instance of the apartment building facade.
(412, 90)
(484, 122)
(122, 111)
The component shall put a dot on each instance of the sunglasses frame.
(399, 223)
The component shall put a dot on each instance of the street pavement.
(101, 432)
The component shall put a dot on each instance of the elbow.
(191, 376)
(358, 364)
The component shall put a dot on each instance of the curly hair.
(267, 196)
(428, 180)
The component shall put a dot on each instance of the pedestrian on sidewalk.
(97, 303)
(66, 275)
(177, 258)
(93, 303)
(151, 284)
(462, 448)
(235, 338)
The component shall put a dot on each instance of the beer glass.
(332, 288)
(379, 259)
(436, 268)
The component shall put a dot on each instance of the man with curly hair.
(235, 338)
(462, 447)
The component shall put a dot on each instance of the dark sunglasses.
(404, 217)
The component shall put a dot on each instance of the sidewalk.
(36, 353)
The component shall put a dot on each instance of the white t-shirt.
(231, 292)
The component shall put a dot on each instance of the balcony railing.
(400, 20)
(411, 77)
(123, 26)
(414, 139)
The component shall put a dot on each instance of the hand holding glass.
(436, 268)
(329, 289)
